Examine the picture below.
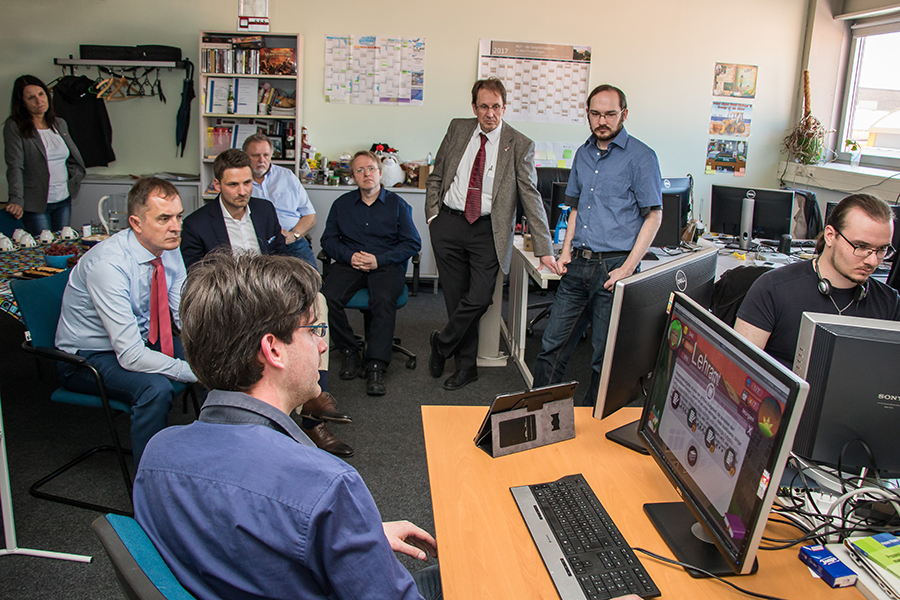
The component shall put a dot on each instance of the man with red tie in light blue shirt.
(111, 317)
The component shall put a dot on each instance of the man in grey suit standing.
(482, 167)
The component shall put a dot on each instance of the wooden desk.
(485, 550)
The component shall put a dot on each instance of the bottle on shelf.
(230, 99)
(290, 152)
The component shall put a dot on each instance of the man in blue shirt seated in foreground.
(240, 503)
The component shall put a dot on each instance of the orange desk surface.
(485, 550)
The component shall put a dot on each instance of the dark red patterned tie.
(160, 320)
(473, 196)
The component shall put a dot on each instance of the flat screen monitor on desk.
(853, 410)
(771, 215)
(636, 327)
(720, 423)
(680, 187)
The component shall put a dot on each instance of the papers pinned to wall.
(374, 70)
(554, 154)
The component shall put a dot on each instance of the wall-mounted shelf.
(147, 64)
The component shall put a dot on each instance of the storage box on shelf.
(247, 83)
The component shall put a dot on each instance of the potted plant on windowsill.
(855, 151)
(806, 141)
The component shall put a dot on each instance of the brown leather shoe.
(324, 408)
(328, 442)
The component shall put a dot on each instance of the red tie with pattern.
(160, 321)
(473, 196)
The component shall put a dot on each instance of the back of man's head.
(140, 192)
(230, 302)
(874, 207)
(230, 159)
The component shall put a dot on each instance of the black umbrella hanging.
(183, 119)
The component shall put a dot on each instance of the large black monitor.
(682, 188)
(669, 233)
(771, 216)
(720, 423)
(851, 365)
(636, 325)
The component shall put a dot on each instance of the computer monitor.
(637, 323)
(720, 423)
(669, 233)
(681, 187)
(854, 392)
(771, 217)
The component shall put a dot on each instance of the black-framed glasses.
(318, 330)
(861, 251)
(609, 116)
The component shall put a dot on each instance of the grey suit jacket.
(515, 179)
(27, 172)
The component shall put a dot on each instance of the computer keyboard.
(581, 547)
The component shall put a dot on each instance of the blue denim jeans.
(56, 216)
(150, 394)
(301, 249)
(428, 581)
(580, 299)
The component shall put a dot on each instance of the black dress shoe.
(375, 383)
(460, 379)
(350, 363)
(437, 360)
(327, 441)
(324, 408)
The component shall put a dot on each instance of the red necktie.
(473, 196)
(160, 321)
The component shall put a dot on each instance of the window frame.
(885, 158)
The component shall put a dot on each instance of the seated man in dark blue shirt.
(370, 235)
(240, 503)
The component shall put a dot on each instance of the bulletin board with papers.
(368, 69)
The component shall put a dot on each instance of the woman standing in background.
(43, 166)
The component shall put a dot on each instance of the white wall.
(661, 53)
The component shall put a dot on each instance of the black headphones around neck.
(825, 288)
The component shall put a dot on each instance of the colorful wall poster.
(374, 70)
(737, 81)
(726, 156)
(730, 118)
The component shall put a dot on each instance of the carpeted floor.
(386, 434)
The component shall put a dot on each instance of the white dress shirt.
(106, 305)
(456, 195)
(241, 233)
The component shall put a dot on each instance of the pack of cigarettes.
(827, 566)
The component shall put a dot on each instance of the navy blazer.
(204, 230)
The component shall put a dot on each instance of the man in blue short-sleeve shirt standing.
(616, 198)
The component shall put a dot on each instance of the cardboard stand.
(525, 420)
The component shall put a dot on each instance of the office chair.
(360, 302)
(40, 302)
(140, 570)
(8, 224)
(731, 288)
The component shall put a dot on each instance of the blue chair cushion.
(147, 557)
(360, 300)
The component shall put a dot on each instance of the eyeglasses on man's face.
(484, 108)
(864, 251)
(609, 116)
(364, 170)
(318, 330)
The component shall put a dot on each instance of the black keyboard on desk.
(581, 547)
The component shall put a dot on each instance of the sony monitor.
(771, 213)
(853, 410)
(636, 325)
(720, 423)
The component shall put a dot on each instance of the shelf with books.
(242, 75)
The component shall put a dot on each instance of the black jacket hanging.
(87, 118)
